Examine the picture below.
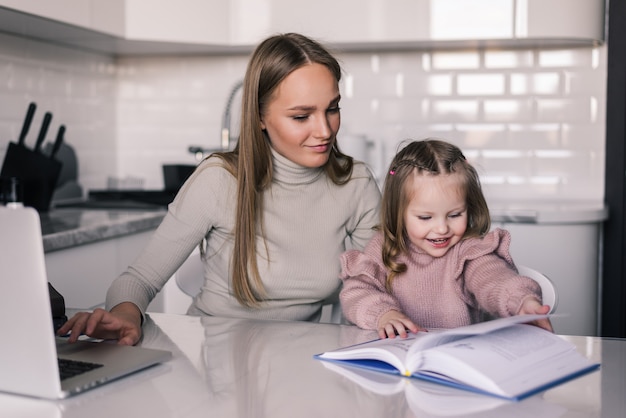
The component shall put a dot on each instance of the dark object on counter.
(37, 172)
(174, 175)
(68, 189)
(130, 199)
(57, 302)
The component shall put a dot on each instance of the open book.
(504, 357)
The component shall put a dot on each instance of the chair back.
(190, 275)
(548, 289)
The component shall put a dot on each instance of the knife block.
(37, 172)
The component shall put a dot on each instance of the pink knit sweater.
(474, 277)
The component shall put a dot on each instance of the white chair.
(332, 313)
(548, 289)
(177, 294)
(190, 275)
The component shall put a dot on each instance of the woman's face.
(302, 118)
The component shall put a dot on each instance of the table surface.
(251, 368)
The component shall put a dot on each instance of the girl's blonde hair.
(251, 160)
(435, 157)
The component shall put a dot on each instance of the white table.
(248, 368)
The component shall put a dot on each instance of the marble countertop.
(548, 212)
(70, 227)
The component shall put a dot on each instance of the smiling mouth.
(439, 241)
(321, 147)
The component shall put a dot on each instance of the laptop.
(30, 354)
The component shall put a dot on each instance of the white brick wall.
(531, 120)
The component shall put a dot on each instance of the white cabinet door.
(83, 274)
(419, 21)
(98, 15)
(568, 255)
(75, 12)
(347, 23)
(186, 21)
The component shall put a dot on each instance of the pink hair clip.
(392, 172)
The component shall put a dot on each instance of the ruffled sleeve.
(489, 278)
(496, 242)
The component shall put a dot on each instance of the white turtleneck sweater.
(307, 219)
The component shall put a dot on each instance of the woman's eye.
(335, 109)
(300, 117)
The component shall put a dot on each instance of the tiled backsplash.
(532, 121)
(79, 89)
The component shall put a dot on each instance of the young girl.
(434, 262)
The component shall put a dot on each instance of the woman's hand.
(122, 323)
(395, 323)
(532, 306)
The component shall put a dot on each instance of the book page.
(389, 350)
(504, 361)
(396, 351)
(438, 337)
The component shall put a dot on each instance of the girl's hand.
(396, 323)
(123, 324)
(532, 306)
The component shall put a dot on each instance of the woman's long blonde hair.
(434, 157)
(251, 160)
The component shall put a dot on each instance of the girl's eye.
(456, 215)
(300, 118)
(335, 109)
(424, 218)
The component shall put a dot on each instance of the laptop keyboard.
(71, 368)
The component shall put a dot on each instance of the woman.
(272, 216)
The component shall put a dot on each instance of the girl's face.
(436, 217)
(302, 119)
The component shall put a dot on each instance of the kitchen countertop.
(547, 211)
(70, 227)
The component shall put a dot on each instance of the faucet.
(226, 138)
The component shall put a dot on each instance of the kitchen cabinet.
(561, 241)
(134, 27)
(573, 268)
(429, 23)
(184, 21)
(86, 249)
(82, 274)
(97, 15)
(74, 12)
